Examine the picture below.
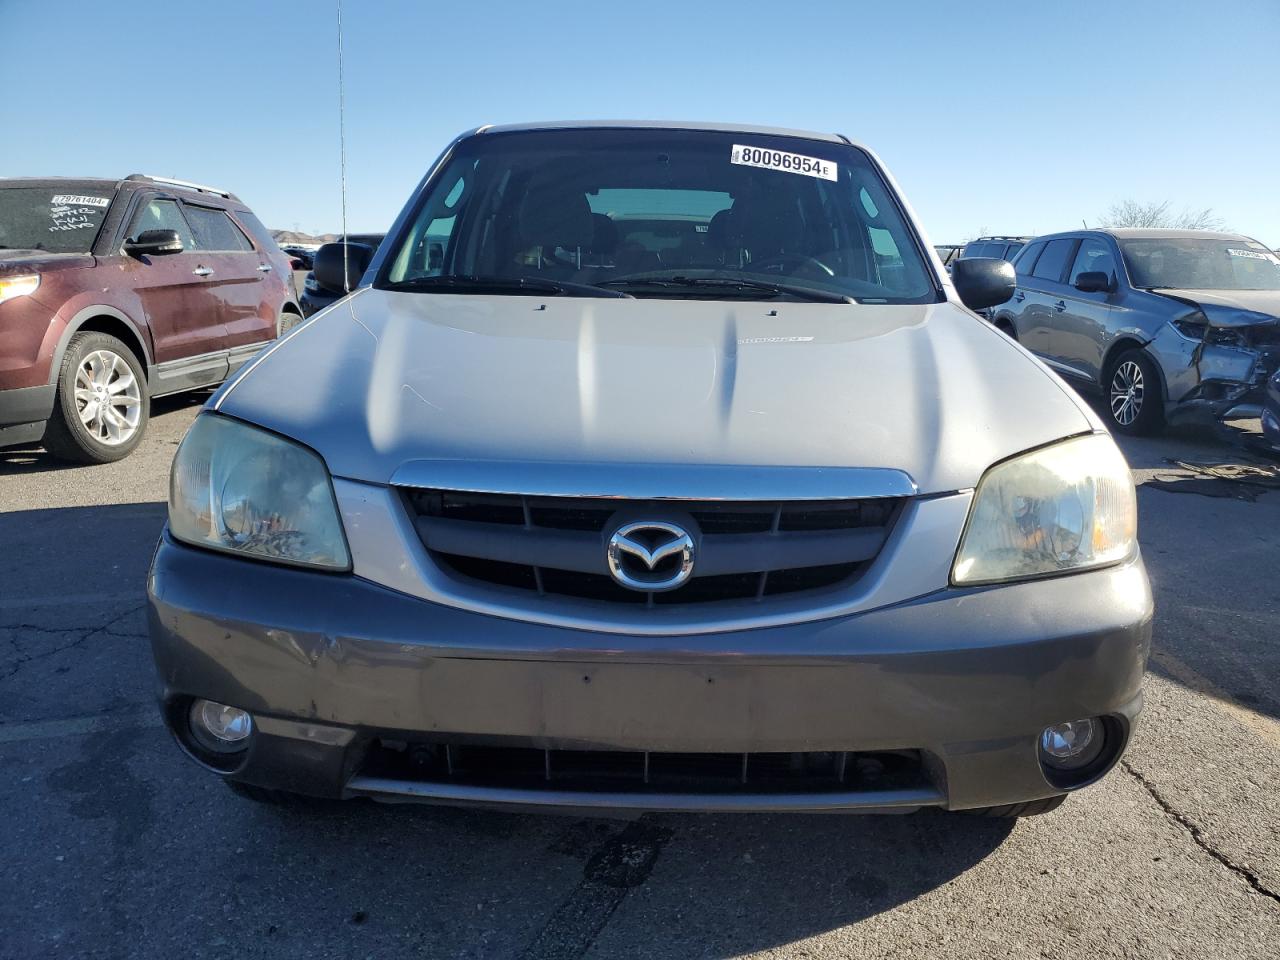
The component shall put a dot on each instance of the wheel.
(102, 405)
(288, 320)
(1005, 326)
(1032, 808)
(1134, 398)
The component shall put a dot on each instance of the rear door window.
(159, 214)
(216, 231)
(1053, 261)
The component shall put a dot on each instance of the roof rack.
(199, 187)
(998, 236)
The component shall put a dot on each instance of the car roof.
(1147, 233)
(745, 128)
(206, 194)
(107, 182)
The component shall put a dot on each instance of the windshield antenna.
(342, 158)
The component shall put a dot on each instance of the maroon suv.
(116, 291)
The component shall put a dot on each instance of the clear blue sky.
(1017, 117)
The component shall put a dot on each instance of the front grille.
(531, 768)
(556, 546)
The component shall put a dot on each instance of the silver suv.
(653, 466)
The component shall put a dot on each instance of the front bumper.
(23, 413)
(330, 664)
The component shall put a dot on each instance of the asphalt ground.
(114, 845)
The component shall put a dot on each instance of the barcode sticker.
(748, 156)
(75, 200)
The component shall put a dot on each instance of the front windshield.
(1191, 264)
(64, 218)
(660, 213)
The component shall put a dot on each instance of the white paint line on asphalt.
(1257, 723)
(77, 726)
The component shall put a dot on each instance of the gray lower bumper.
(969, 678)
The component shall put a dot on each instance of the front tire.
(1135, 401)
(1032, 808)
(102, 404)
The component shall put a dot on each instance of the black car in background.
(1168, 324)
(315, 295)
(998, 248)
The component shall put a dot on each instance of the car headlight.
(246, 491)
(1070, 506)
(22, 286)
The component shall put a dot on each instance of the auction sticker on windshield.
(787, 162)
(76, 200)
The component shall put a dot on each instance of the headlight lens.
(22, 286)
(1067, 507)
(243, 490)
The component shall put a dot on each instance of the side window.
(256, 229)
(1012, 251)
(889, 262)
(973, 250)
(1025, 262)
(1053, 261)
(1094, 257)
(214, 230)
(162, 215)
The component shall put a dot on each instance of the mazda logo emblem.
(650, 555)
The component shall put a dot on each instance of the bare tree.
(1133, 213)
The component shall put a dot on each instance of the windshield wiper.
(466, 283)
(812, 294)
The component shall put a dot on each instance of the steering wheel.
(794, 260)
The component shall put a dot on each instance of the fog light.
(1071, 745)
(219, 727)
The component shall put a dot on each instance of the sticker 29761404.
(76, 200)
(787, 162)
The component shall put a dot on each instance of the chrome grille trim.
(654, 481)
(556, 546)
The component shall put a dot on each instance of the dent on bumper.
(968, 677)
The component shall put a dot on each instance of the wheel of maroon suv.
(102, 405)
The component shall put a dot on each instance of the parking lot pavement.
(116, 846)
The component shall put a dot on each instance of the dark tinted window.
(1054, 260)
(162, 215)
(645, 211)
(214, 230)
(975, 250)
(256, 228)
(1010, 253)
(1025, 261)
(61, 219)
(1094, 256)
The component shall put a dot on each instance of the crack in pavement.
(620, 863)
(23, 659)
(1197, 835)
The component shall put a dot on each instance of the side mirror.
(153, 243)
(329, 269)
(983, 282)
(1093, 281)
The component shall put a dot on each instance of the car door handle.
(264, 268)
(202, 272)
(1060, 306)
(1019, 297)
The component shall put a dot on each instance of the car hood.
(1230, 308)
(383, 379)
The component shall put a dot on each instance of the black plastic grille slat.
(638, 772)
(837, 529)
